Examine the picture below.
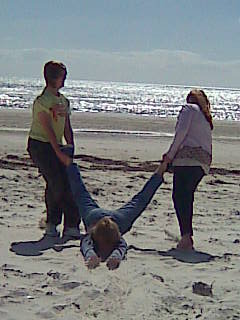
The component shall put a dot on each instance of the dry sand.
(43, 280)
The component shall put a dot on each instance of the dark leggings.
(185, 182)
(58, 195)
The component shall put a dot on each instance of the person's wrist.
(167, 159)
(58, 151)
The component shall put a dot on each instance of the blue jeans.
(125, 216)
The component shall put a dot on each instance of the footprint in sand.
(67, 286)
(11, 269)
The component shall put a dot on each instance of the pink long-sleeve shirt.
(192, 130)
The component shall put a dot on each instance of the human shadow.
(190, 256)
(36, 248)
(63, 244)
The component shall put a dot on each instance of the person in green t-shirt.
(50, 124)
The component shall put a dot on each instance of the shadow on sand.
(36, 248)
(191, 256)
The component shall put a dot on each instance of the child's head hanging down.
(105, 234)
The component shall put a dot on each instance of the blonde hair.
(107, 230)
(200, 98)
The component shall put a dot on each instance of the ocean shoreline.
(106, 134)
(114, 122)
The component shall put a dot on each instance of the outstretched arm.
(117, 255)
(87, 248)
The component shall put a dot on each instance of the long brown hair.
(200, 98)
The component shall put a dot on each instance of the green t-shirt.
(45, 102)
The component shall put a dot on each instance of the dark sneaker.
(71, 233)
(51, 230)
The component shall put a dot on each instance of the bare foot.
(186, 243)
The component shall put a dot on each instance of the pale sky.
(192, 42)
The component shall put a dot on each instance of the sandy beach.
(48, 280)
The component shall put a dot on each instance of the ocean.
(137, 98)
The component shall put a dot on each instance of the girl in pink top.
(190, 155)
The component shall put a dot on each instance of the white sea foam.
(145, 99)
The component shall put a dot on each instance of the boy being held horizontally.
(103, 240)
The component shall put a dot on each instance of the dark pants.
(58, 195)
(185, 182)
(125, 216)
